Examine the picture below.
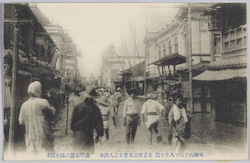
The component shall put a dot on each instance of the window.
(217, 43)
(176, 45)
(164, 49)
(169, 47)
(148, 54)
(159, 52)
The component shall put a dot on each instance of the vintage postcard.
(125, 81)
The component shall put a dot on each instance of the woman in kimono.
(177, 121)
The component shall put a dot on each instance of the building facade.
(112, 65)
(28, 56)
(226, 76)
(66, 64)
(167, 52)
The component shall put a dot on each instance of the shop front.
(168, 81)
(228, 94)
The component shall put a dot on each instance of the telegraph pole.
(145, 73)
(16, 23)
(190, 95)
(13, 91)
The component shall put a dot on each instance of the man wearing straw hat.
(85, 118)
(153, 109)
(103, 104)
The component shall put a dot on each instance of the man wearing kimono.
(35, 117)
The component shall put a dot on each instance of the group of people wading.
(91, 111)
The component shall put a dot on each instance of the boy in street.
(131, 118)
(103, 104)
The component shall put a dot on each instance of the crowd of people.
(90, 111)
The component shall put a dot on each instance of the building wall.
(151, 57)
(176, 33)
(111, 67)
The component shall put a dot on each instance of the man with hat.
(85, 118)
(35, 117)
(153, 109)
(131, 118)
(116, 99)
(103, 104)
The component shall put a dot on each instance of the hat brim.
(103, 102)
(90, 96)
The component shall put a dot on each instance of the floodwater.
(209, 140)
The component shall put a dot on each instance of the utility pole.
(190, 95)
(13, 90)
(16, 23)
(145, 73)
(135, 52)
(134, 37)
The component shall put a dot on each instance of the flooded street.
(191, 54)
(208, 140)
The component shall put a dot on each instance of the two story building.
(29, 48)
(112, 65)
(226, 76)
(167, 52)
(66, 62)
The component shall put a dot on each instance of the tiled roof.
(230, 62)
(201, 66)
(40, 16)
(172, 59)
(210, 75)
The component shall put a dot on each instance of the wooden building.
(226, 77)
(28, 55)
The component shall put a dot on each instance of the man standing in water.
(153, 109)
(74, 99)
(177, 120)
(36, 115)
(116, 99)
(131, 118)
(85, 118)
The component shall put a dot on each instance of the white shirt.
(152, 106)
(130, 107)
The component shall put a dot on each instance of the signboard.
(214, 22)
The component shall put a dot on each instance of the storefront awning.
(210, 75)
(172, 59)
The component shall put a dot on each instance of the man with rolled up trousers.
(131, 118)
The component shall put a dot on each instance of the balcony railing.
(235, 39)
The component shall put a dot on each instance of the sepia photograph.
(124, 81)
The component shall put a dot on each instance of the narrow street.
(197, 51)
(209, 139)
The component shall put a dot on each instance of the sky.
(96, 26)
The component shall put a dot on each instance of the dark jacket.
(87, 117)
